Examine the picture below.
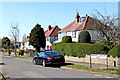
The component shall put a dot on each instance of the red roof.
(52, 32)
(86, 24)
(27, 39)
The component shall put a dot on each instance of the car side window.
(41, 54)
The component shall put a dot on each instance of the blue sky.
(28, 14)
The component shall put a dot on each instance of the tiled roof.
(52, 32)
(86, 24)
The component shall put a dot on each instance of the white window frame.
(74, 34)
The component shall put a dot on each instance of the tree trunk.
(38, 49)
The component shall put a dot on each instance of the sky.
(28, 14)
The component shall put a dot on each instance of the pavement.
(100, 66)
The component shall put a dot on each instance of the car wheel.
(34, 61)
(63, 63)
(44, 64)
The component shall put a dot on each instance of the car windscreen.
(52, 53)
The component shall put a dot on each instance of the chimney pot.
(49, 27)
(77, 18)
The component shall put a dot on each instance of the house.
(25, 44)
(74, 28)
(51, 35)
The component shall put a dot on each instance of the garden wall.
(113, 62)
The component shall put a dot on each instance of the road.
(18, 68)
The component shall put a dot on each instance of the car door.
(41, 55)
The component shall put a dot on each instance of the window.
(41, 54)
(47, 38)
(47, 47)
(74, 34)
(69, 33)
(52, 53)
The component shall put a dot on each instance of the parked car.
(48, 57)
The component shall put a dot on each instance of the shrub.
(118, 42)
(79, 49)
(115, 52)
(12, 50)
(103, 41)
(84, 37)
(106, 42)
(67, 39)
(33, 53)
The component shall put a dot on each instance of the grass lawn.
(79, 67)
(5, 55)
(21, 57)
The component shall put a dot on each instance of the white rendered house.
(74, 28)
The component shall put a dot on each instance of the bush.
(79, 49)
(84, 37)
(115, 52)
(67, 39)
(118, 42)
(106, 42)
(33, 53)
(12, 50)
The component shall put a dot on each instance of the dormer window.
(82, 19)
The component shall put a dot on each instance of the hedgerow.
(115, 52)
(79, 49)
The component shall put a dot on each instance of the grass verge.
(21, 57)
(5, 55)
(79, 67)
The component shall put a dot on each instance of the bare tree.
(24, 38)
(107, 25)
(14, 33)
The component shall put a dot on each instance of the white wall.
(49, 41)
(27, 46)
(76, 39)
(95, 36)
(47, 44)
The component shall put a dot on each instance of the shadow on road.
(58, 65)
(2, 63)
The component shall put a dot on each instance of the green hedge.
(115, 52)
(67, 39)
(79, 49)
(84, 37)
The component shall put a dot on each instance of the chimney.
(86, 15)
(77, 18)
(56, 26)
(49, 27)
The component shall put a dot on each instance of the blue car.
(48, 57)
